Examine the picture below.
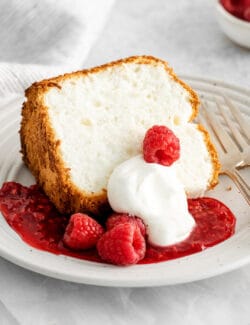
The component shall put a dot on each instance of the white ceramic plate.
(229, 255)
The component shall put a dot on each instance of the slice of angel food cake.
(78, 127)
(121, 137)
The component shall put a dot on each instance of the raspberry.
(122, 245)
(161, 146)
(121, 218)
(247, 14)
(235, 7)
(82, 232)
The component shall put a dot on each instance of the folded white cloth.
(39, 39)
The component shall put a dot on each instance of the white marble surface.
(186, 34)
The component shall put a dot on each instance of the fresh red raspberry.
(161, 146)
(232, 6)
(238, 8)
(122, 245)
(120, 218)
(246, 14)
(82, 232)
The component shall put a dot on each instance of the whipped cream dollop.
(155, 194)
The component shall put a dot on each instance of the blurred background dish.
(234, 23)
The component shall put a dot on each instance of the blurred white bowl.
(236, 29)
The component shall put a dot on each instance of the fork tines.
(231, 139)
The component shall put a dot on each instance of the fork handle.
(240, 183)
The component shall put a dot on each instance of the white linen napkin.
(39, 39)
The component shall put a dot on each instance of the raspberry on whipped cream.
(161, 146)
(149, 188)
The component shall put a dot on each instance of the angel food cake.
(117, 143)
(78, 127)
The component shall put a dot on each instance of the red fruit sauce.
(30, 213)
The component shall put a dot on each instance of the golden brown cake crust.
(214, 157)
(41, 149)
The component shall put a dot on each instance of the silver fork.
(234, 150)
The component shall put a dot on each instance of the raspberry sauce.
(30, 213)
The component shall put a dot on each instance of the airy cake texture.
(76, 128)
